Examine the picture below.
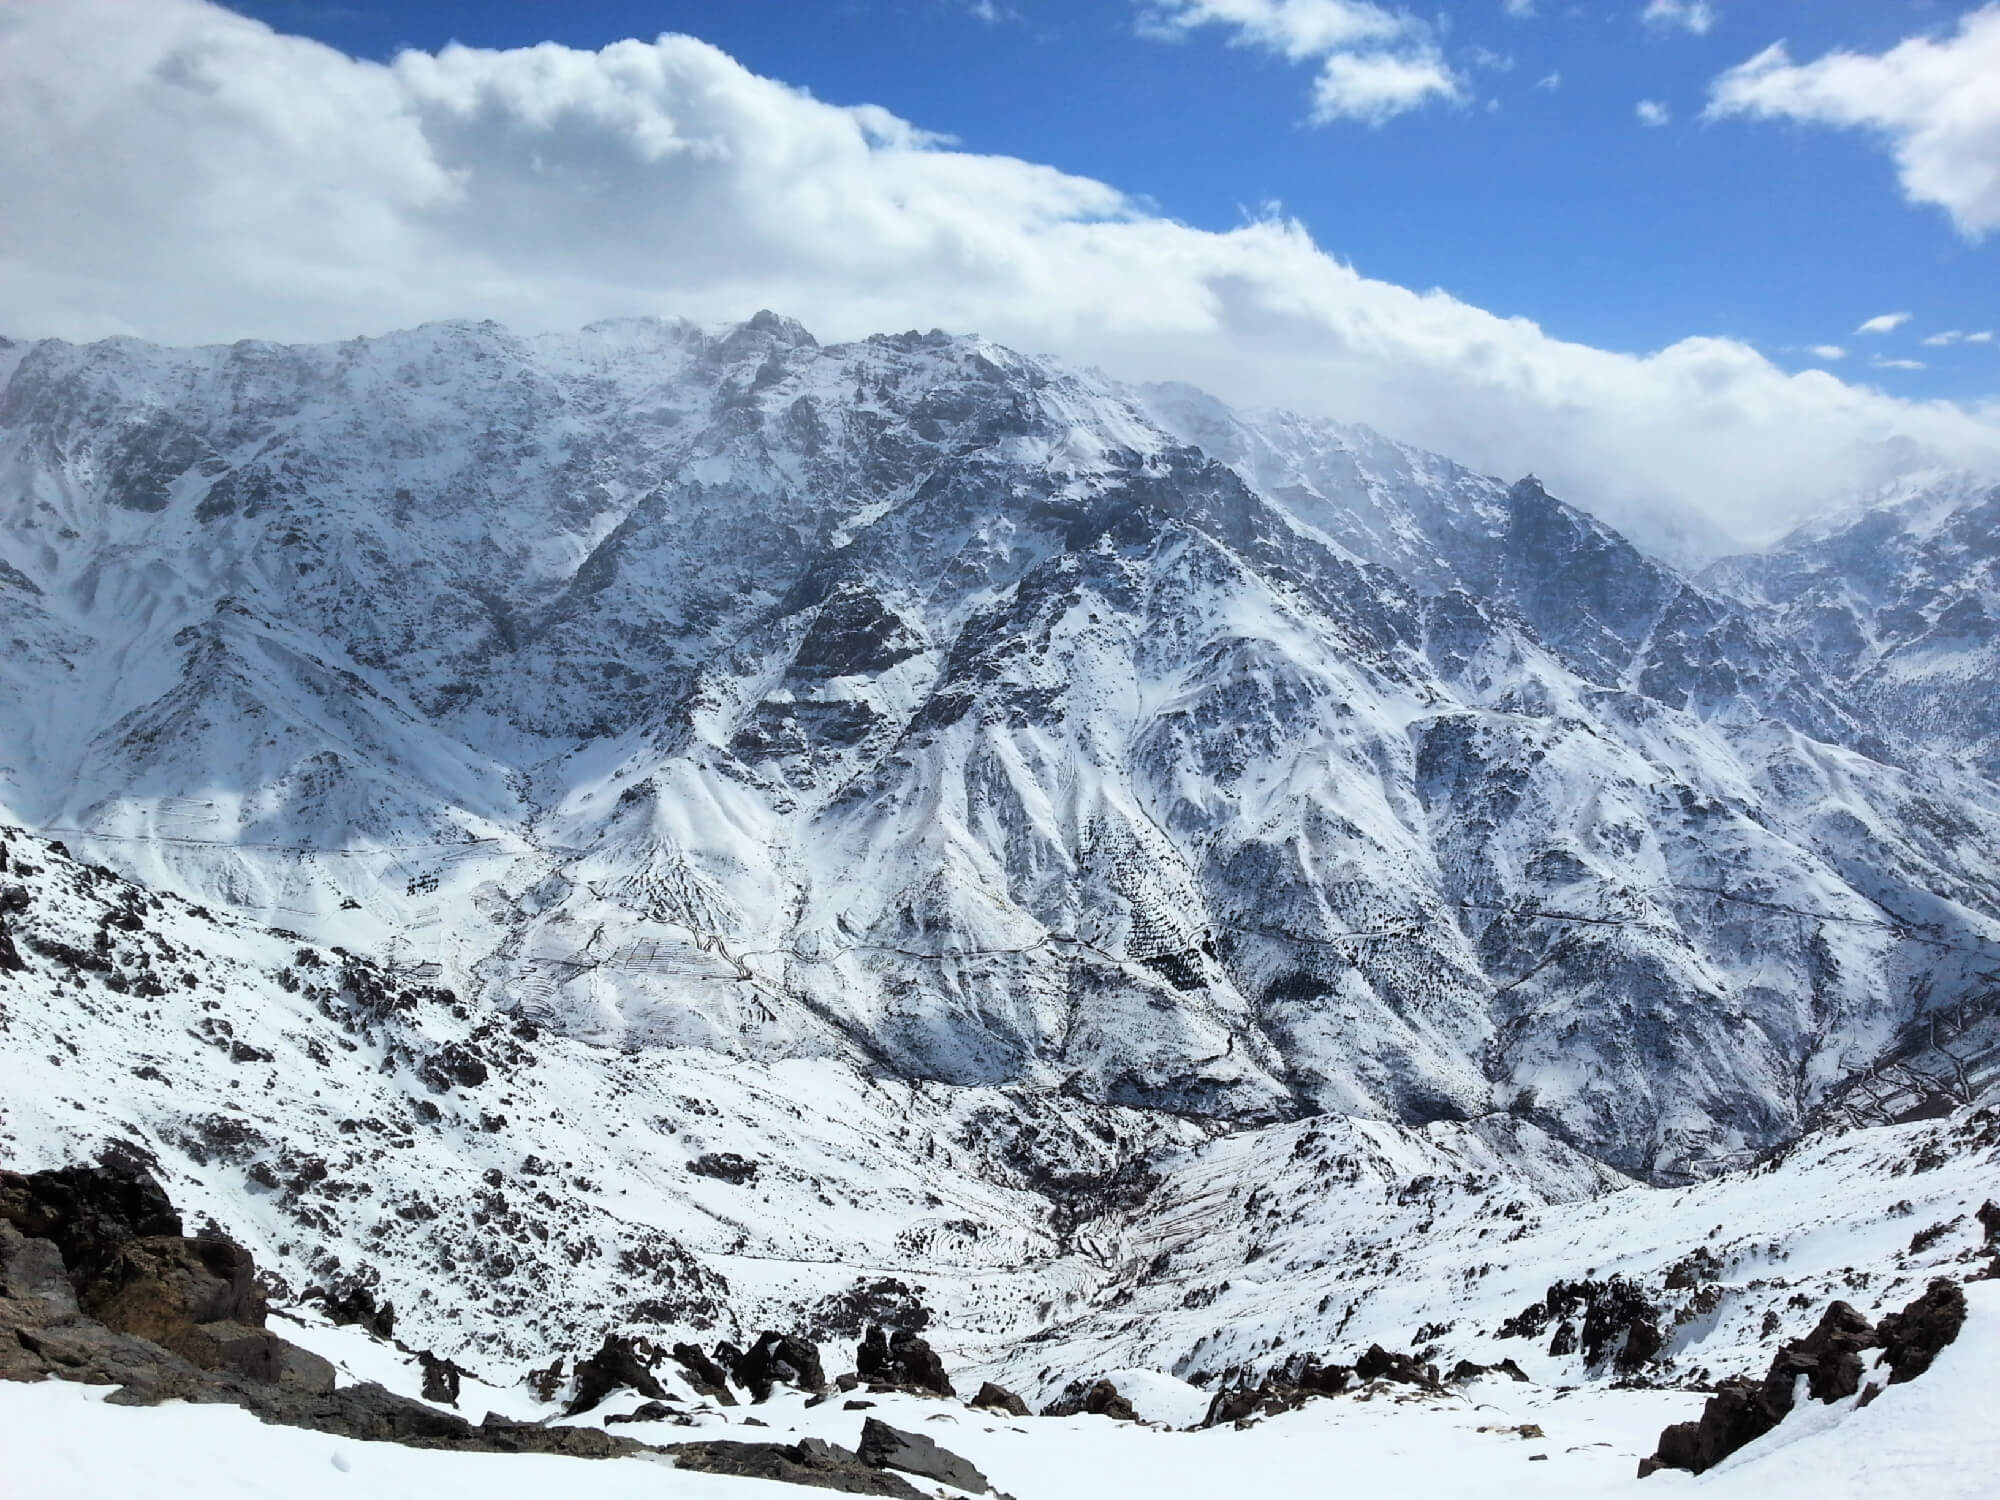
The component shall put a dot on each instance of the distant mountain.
(1898, 605)
(918, 705)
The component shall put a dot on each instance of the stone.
(886, 1447)
(441, 1378)
(779, 1358)
(902, 1359)
(706, 1376)
(809, 1461)
(993, 1397)
(1912, 1338)
(1096, 1398)
(620, 1362)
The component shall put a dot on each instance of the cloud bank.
(1936, 104)
(173, 170)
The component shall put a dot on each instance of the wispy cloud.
(1551, 81)
(1936, 104)
(1881, 363)
(1520, 10)
(1693, 17)
(1883, 323)
(1827, 351)
(1652, 112)
(1374, 63)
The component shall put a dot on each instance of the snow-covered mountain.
(1897, 602)
(917, 705)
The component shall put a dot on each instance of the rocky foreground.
(99, 1285)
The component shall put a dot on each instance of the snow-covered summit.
(918, 704)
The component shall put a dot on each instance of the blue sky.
(1630, 245)
(1542, 195)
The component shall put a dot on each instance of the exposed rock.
(441, 1378)
(1380, 1364)
(886, 1447)
(808, 1461)
(993, 1397)
(87, 1211)
(1465, 1369)
(1743, 1410)
(546, 1382)
(1618, 1321)
(704, 1374)
(619, 1362)
(1285, 1389)
(779, 1358)
(652, 1411)
(1911, 1338)
(357, 1305)
(902, 1359)
(1096, 1398)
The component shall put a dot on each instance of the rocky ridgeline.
(1829, 1360)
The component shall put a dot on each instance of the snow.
(1932, 1437)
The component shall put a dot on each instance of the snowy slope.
(1898, 601)
(918, 706)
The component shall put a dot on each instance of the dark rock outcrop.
(619, 1363)
(902, 1359)
(706, 1376)
(1381, 1364)
(441, 1378)
(159, 1282)
(886, 1447)
(1830, 1359)
(1911, 1338)
(1098, 1398)
(779, 1358)
(824, 1465)
(993, 1397)
(1285, 1389)
(1609, 1319)
(357, 1305)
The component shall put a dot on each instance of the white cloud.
(1374, 63)
(1695, 17)
(1984, 336)
(1883, 323)
(1935, 103)
(1652, 112)
(176, 171)
(1374, 87)
(1550, 81)
(1827, 351)
(1520, 10)
(1897, 364)
(1940, 340)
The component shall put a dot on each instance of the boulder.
(901, 1359)
(441, 1378)
(779, 1358)
(1912, 1338)
(357, 1305)
(1379, 1364)
(808, 1461)
(620, 1362)
(706, 1376)
(1096, 1398)
(886, 1447)
(88, 1211)
(993, 1397)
